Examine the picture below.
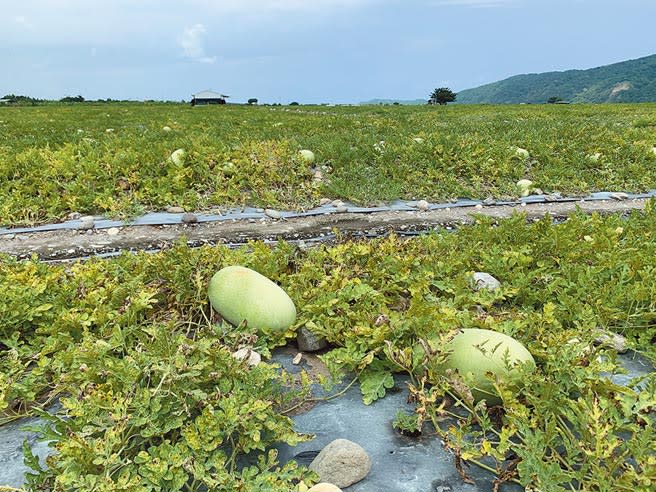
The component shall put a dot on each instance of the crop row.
(114, 159)
(153, 400)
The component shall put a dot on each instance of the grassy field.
(152, 398)
(113, 159)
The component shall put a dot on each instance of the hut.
(208, 97)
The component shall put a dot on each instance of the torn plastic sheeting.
(165, 218)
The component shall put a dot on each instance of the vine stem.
(325, 398)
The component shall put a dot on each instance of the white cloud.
(191, 42)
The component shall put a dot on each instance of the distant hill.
(627, 81)
(404, 102)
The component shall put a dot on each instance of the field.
(113, 159)
(152, 398)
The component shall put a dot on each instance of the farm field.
(142, 368)
(155, 401)
(115, 159)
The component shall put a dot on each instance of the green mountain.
(627, 81)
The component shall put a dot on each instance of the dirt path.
(69, 244)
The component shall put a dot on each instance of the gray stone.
(324, 201)
(619, 196)
(86, 224)
(251, 357)
(342, 462)
(337, 203)
(113, 231)
(74, 215)
(613, 340)
(341, 210)
(274, 214)
(189, 218)
(483, 280)
(489, 201)
(175, 210)
(308, 341)
(422, 205)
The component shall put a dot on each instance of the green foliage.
(59, 158)
(153, 400)
(441, 96)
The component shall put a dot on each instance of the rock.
(478, 206)
(341, 210)
(483, 280)
(308, 341)
(297, 359)
(74, 216)
(113, 231)
(240, 294)
(251, 357)
(274, 214)
(619, 196)
(324, 201)
(9, 236)
(342, 462)
(325, 487)
(166, 128)
(337, 203)
(489, 201)
(422, 205)
(189, 218)
(86, 224)
(175, 210)
(610, 339)
(109, 130)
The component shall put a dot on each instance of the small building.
(208, 97)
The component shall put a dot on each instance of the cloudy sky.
(305, 50)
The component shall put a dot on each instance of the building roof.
(208, 94)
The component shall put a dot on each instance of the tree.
(72, 99)
(442, 96)
(293, 103)
(554, 100)
(252, 100)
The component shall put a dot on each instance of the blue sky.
(310, 51)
